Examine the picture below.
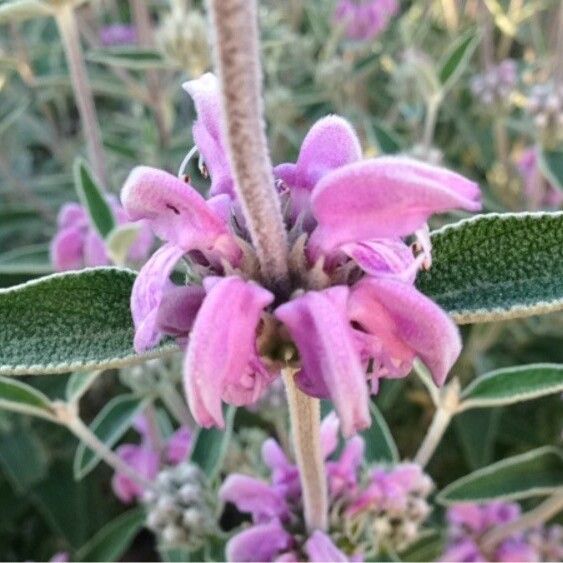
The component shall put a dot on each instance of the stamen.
(186, 161)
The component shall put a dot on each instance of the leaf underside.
(497, 266)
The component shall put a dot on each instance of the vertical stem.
(305, 417)
(68, 30)
(432, 108)
(558, 63)
(238, 66)
(487, 44)
(143, 24)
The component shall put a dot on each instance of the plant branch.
(238, 66)
(305, 415)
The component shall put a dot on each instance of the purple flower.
(118, 34)
(363, 20)
(146, 459)
(539, 193)
(351, 303)
(496, 84)
(77, 244)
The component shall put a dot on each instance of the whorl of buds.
(494, 86)
(545, 106)
(181, 510)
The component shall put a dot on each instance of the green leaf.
(477, 431)
(386, 139)
(78, 383)
(20, 10)
(120, 240)
(457, 58)
(379, 443)
(127, 57)
(551, 164)
(92, 197)
(506, 386)
(109, 426)
(497, 266)
(428, 547)
(534, 473)
(114, 538)
(20, 397)
(73, 321)
(211, 445)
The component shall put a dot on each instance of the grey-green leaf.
(379, 443)
(20, 397)
(211, 444)
(551, 164)
(71, 321)
(457, 58)
(127, 57)
(497, 266)
(109, 426)
(534, 473)
(78, 383)
(513, 385)
(20, 10)
(91, 195)
(109, 543)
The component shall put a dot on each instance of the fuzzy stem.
(432, 108)
(238, 66)
(305, 416)
(447, 407)
(543, 512)
(68, 30)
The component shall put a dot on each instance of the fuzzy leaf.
(78, 383)
(497, 266)
(127, 57)
(534, 473)
(506, 386)
(114, 538)
(551, 164)
(92, 197)
(73, 321)
(380, 446)
(20, 397)
(211, 444)
(456, 59)
(109, 426)
(20, 10)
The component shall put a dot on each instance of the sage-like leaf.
(497, 266)
(133, 58)
(109, 426)
(92, 196)
(506, 386)
(551, 164)
(17, 396)
(73, 321)
(457, 58)
(379, 443)
(534, 473)
(78, 383)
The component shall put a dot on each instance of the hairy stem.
(238, 66)
(68, 30)
(305, 417)
(447, 407)
(543, 512)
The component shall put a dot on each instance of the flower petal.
(178, 445)
(207, 132)
(329, 434)
(176, 212)
(72, 215)
(144, 461)
(254, 496)
(178, 309)
(319, 547)
(95, 250)
(319, 327)
(262, 542)
(67, 249)
(386, 197)
(222, 344)
(148, 291)
(407, 323)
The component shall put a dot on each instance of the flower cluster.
(383, 509)
(545, 105)
(468, 522)
(146, 458)
(349, 313)
(539, 192)
(118, 34)
(496, 84)
(77, 244)
(363, 20)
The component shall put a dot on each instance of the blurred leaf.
(513, 385)
(497, 266)
(23, 457)
(428, 548)
(114, 538)
(135, 58)
(19, 10)
(70, 321)
(477, 431)
(211, 445)
(20, 397)
(33, 260)
(120, 240)
(10, 119)
(109, 426)
(92, 196)
(182, 554)
(78, 383)
(551, 164)
(534, 473)
(387, 140)
(379, 443)
(456, 58)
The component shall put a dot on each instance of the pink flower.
(118, 34)
(363, 20)
(351, 303)
(78, 245)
